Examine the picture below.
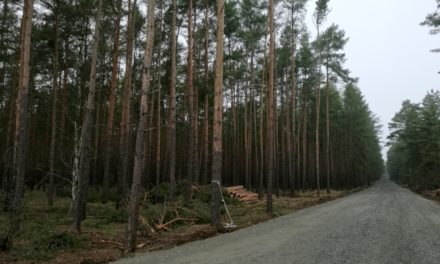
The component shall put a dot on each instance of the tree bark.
(271, 111)
(192, 164)
(139, 159)
(218, 118)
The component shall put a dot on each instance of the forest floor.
(47, 235)
(382, 224)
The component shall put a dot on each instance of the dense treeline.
(123, 101)
(414, 155)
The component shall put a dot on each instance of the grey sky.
(388, 50)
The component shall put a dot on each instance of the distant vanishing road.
(382, 224)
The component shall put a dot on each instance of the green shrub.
(114, 216)
(46, 245)
(102, 215)
(61, 241)
(160, 194)
(201, 211)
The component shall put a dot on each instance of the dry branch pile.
(242, 194)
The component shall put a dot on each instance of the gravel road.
(382, 224)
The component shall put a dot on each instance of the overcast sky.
(388, 50)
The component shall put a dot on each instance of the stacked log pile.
(240, 193)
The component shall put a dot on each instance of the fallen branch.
(165, 225)
(108, 242)
(97, 239)
(141, 245)
(150, 230)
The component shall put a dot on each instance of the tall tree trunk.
(318, 111)
(218, 118)
(248, 130)
(276, 167)
(284, 169)
(95, 159)
(255, 137)
(298, 155)
(262, 106)
(327, 130)
(21, 125)
(124, 143)
(63, 113)
(79, 203)
(289, 139)
(317, 157)
(253, 117)
(204, 178)
(111, 105)
(195, 120)
(247, 126)
(53, 139)
(270, 111)
(304, 141)
(172, 107)
(159, 97)
(149, 139)
(234, 155)
(293, 102)
(139, 159)
(192, 164)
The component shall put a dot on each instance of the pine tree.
(136, 187)
(270, 111)
(218, 118)
(20, 150)
(321, 12)
(112, 103)
(81, 168)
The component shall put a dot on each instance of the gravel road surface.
(383, 224)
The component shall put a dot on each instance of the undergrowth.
(46, 231)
